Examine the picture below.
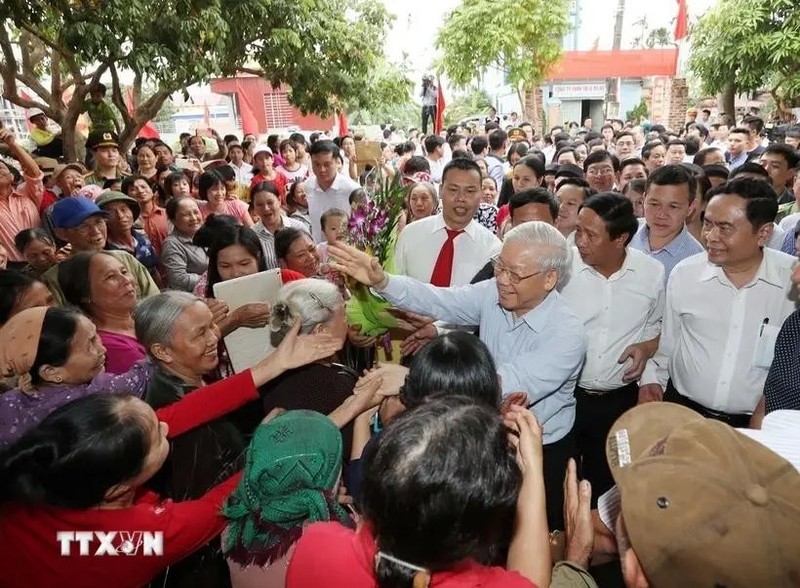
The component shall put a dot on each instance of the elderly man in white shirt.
(449, 248)
(618, 292)
(327, 188)
(724, 309)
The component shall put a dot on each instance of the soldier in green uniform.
(105, 152)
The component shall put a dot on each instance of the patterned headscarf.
(19, 344)
(291, 467)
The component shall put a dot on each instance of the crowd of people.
(598, 380)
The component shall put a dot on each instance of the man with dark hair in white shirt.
(724, 309)
(328, 188)
(618, 292)
(449, 248)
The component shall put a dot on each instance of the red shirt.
(502, 214)
(279, 180)
(331, 555)
(48, 198)
(31, 553)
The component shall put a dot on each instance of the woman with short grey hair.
(178, 331)
(314, 302)
(320, 386)
(154, 321)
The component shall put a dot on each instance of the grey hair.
(154, 317)
(312, 300)
(552, 250)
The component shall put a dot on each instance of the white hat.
(34, 112)
(262, 149)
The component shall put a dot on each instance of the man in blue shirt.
(538, 343)
(668, 201)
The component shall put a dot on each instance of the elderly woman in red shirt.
(19, 206)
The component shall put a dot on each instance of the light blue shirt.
(681, 247)
(540, 353)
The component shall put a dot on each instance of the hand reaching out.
(356, 264)
(297, 350)
(577, 518)
(253, 315)
(526, 438)
(7, 137)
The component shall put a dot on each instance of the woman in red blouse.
(73, 507)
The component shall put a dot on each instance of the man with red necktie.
(448, 248)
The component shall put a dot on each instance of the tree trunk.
(531, 107)
(69, 132)
(140, 117)
(727, 100)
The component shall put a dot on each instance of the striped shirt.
(681, 247)
(268, 239)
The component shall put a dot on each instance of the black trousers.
(671, 394)
(555, 457)
(428, 112)
(594, 416)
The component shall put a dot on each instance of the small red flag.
(440, 105)
(344, 125)
(246, 112)
(148, 131)
(682, 21)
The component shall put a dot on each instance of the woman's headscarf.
(19, 344)
(291, 467)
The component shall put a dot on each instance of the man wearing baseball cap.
(82, 224)
(105, 152)
(701, 503)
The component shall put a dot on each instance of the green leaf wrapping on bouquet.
(373, 228)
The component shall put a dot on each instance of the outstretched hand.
(578, 518)
(356, 264)
(526, 438)
(297, 350)
(7, 137)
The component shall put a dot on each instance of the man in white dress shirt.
(327, 188)
(723, 310)
(422, 242)
(618, 292)
(419, 244)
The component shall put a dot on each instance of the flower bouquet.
(373, 228)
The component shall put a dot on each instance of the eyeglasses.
(606, 171)
(513, 276)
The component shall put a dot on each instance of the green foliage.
(522, 37)
(330, 52)
(750, 43)
(475, 101)
(638, 112)
(659, 37)
(390, 101)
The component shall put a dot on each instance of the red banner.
(682, 21)
(440, 106)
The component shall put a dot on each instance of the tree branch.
(9, 69)
(117, 99)
(250, 70)
(137, 88)
(55, 75)
(57, 49)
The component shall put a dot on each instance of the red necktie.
(443, 270)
